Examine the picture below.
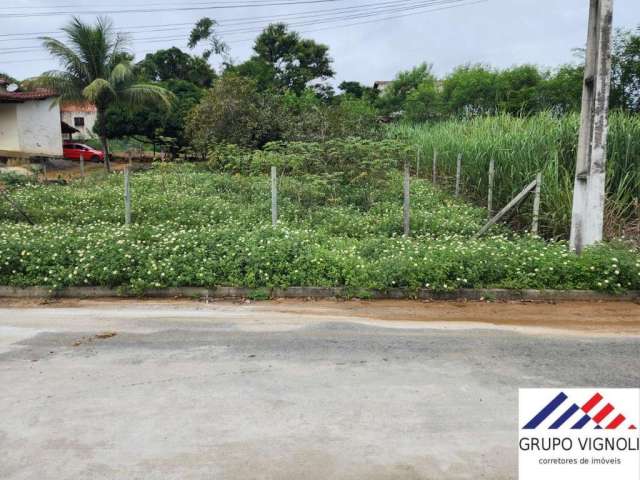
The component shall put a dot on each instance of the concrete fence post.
(435, 161)
(458, 172)
(127, 197)
(82, 166)
(492, 173)
(406, 185)
(274, 196)
(536, 204)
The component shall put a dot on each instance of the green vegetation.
(97, 69)
(283, 61)
(340, 187)
(478, 89)
(198, 228)
(236, 112)
(523, 146)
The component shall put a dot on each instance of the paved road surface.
(230, 391)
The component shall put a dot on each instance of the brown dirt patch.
(619, 318)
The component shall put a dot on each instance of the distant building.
(81, 116)
(29, 122)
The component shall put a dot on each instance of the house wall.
(39, 127)
(9, 138)
(89, 122)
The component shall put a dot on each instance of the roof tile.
(37, 94)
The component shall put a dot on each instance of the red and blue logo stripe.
(585, 414)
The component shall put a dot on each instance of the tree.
(205, 30)
(174, 64)
(323, 91)
(625, 74)
(423, 103)
(561, 91)
(98, 69)
(7, 78)
(260, 72)
(284, 61)
(358, 90)
(153, 122)
(470, 89)
(517, 89)
(355, 89)
(625, 70)
(395, 94)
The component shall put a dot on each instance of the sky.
(368, 41)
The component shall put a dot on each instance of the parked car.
(72, 151)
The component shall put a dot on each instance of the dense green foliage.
(360, 167)
(156, 125)
(174, 64)
(283, 61)
(236, 112)
(279, 93)
(186, 77)
(625, 78)
(523, 146)
(198, 228)
(97, 69)
(477, 89)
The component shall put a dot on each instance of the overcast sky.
(497, 32)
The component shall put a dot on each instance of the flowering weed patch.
(196, 228)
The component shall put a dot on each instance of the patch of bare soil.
(611, 317)
(618, 318)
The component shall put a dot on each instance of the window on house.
(78, 121)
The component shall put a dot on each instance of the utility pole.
(589, 187)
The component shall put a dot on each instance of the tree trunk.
(105, 150)
(103, 138)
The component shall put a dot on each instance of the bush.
(233, 112)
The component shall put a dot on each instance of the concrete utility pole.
(589, 186)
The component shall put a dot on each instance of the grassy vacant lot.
(521, 147)
(193, 227)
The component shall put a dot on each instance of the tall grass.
(522, 147)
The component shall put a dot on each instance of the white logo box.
(549, 448)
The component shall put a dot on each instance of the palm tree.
(98, 69)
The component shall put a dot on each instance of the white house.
(29, 122)
(81, 116)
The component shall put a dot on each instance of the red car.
(72, 151)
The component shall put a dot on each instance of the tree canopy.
(625, 81)
(174, 64)
(97, 69)
(285, 61)
(282, 91)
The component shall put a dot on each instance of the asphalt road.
(240, 392)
